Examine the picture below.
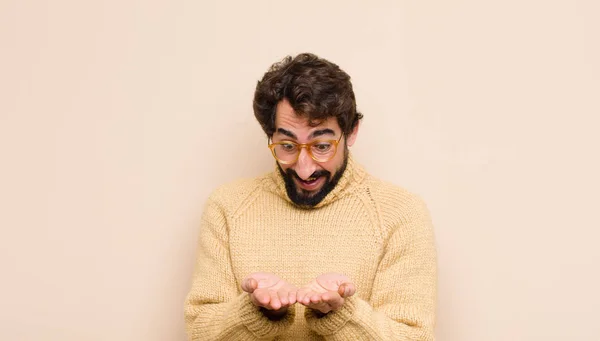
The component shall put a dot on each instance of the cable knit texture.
(376, 233)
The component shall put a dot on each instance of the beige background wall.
(117, 119)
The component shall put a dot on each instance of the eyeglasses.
(288, 152)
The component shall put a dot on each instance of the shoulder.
(231, 196)
(389, 195)
(395, 204)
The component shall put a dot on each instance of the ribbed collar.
(353, 175)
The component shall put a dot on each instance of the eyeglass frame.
(301, 146)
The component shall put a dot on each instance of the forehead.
(286, 117)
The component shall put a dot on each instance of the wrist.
(275, 315)
(319, 314)
(332, 322)
(251, 316)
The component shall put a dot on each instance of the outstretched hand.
(269, 291)
(326, 293)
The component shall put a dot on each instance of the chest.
(299, 245)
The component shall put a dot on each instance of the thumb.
(346, 289)
(249, 285)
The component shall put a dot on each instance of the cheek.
(285, 167)
(339, 158)
(331, 166)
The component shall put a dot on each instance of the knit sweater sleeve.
(214, 308)
(402, 304)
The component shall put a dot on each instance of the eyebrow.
(314, 134)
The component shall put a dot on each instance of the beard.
(306, 198)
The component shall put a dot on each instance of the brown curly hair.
(315, 88)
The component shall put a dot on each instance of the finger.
(322, 307)
(262, 297)
(275, 304)
(325, 308)
(333, 299)
(337, 304)
(329, 296)
(284, 298)
(300, 296)
(347, 289)
(255, 301)
(292, 297)
(249, 285)
(306, 298)
(316, 298)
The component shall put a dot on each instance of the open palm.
(326, 292)
(269, 291)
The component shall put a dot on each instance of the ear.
(350, 139)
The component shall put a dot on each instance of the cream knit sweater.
(377, 234)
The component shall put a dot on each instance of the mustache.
(317, 174)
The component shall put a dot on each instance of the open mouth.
(309, 183)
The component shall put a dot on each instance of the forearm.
(237, 319)
(357, 320)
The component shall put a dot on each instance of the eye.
(322, 147)
(288, 147)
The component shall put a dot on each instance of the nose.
(305, 166)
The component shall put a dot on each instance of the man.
(318, 249)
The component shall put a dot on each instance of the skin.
(270, 292)
(289, 126)
(327, 292)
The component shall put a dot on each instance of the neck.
(345, 179)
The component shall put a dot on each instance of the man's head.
(308, 100)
